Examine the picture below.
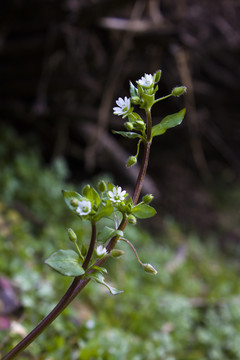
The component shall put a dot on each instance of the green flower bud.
(178, 91)
(117, 253)
(157, 76)
(74, 202)
(72, 236)
(102, 186)
(149, 269)
(128, 125)
(135, 100)
(86, 190)
(132, 219)
(84, 250)
(147, 198)
(131, 161)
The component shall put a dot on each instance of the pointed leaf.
(128, 134)
(143, 211)
(98, 277)
(103, 211)
(108, 233)
(66, 262)
(68, 196)
(168, 122)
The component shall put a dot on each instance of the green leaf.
(98, 277)
(93, 196)
(66, 262)
(128, 134)
(103, 211)
(108, 233)
(69, 195)
(168, 122)
(143, 211)
(100, 269)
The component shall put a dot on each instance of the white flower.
(101, 250)
(146, 80)
(117, 195)
(84, 207)
(123, 106)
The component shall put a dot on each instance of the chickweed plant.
(109, 201)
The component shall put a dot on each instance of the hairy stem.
(79, 283)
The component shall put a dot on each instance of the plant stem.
(145, 160)
(79, 283)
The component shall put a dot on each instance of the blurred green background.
(62, 65)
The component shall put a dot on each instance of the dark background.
(64, 63)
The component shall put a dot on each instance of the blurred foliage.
(189, 311)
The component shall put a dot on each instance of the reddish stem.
(78, 283)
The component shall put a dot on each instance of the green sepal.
(157, 76)
(108, 233)
(128, 134)
(134, 116)
(100, 269)
(143, 211)
(148, 101)
(98, 277)
(103, 211)
(133, 90)
(65, 262)
(69, 195)
(168, 122)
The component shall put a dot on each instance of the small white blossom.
(101, 250)
(84, 207)
(90, 324)
(146, 80)
(117, 195)
(123, 106)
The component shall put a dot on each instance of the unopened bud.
(147, 198)
(102, 186)
(132, 219)
(158, 76)
(86, 190)
(128, 125)
(72, 236)
(135, 100)
(149, 269)
(131, 161)
(117, 253)
(178, 91)
(74, 202)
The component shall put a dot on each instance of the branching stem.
(79, 282)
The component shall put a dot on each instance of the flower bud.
(102, 186)
(72, 236)
(135, 100)
(147, 198)
(117, 253)
(128, 125)
(131, 161)
(132, 219)
(86, 190)
(149, 269)
(74, 202)
(178, 91)
(157, 76)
